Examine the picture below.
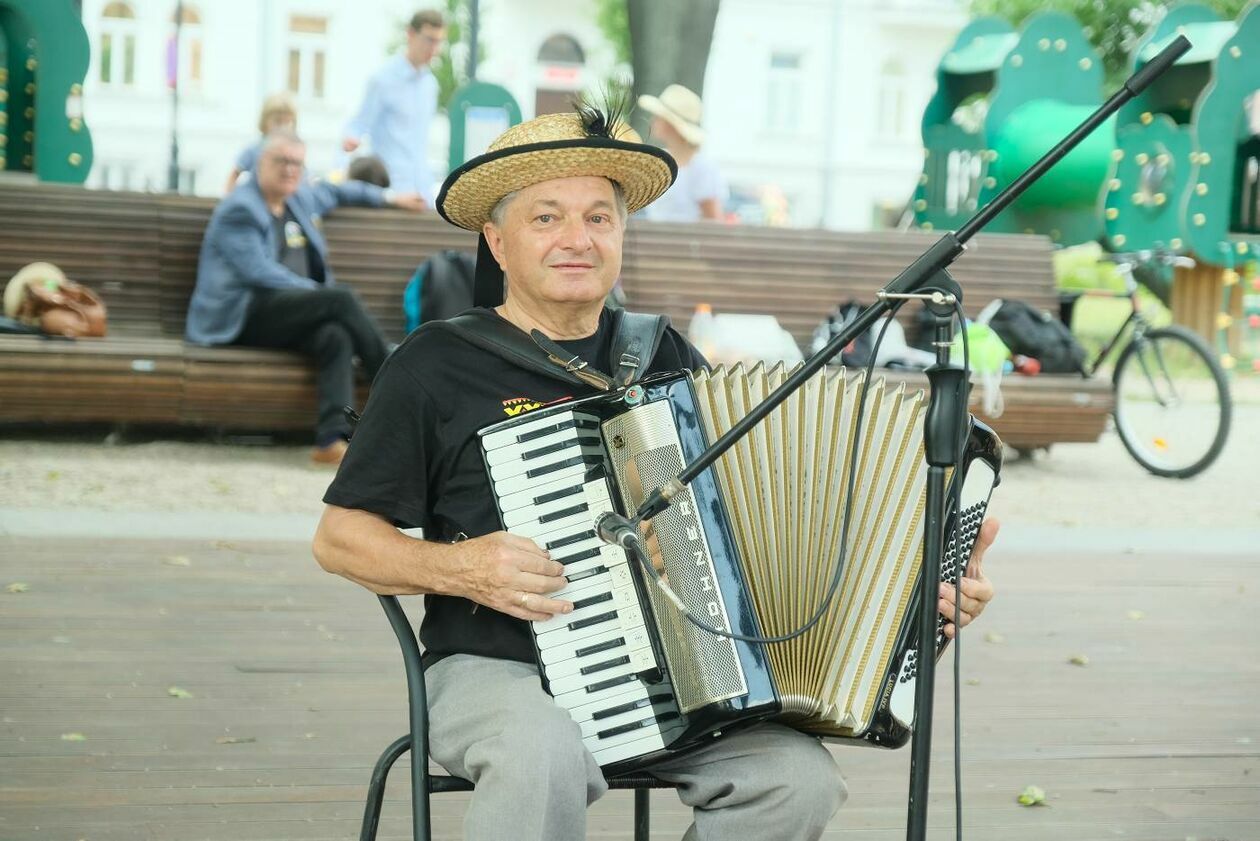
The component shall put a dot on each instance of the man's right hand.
(349, 144)
(512, 575)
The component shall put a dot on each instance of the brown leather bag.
(61, 307)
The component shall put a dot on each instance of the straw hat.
(679, 107)
(588, 142)
(15, 290)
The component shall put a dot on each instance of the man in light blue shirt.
(398, 108)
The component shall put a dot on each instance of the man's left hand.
(977, 590)
(409, 201)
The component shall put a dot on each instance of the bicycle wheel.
(1172, 402)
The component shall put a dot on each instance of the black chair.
(417, 741)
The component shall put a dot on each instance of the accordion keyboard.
(598, 662)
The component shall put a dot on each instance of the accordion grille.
(704, 668)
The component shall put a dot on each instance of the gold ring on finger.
(524, 598)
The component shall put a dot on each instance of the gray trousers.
(491, 722)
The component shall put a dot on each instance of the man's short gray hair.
(500, 210)
(283, 137)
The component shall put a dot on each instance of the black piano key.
(590, 600)
(559, 465)
(635, 725)
(564, 512)
(560, 494)
(611, 682)
(561, 542)
(633, 705)
(608, 645)
(590, 573)
(606, 664)
(584, 441)
(580, 556)
(593, 620)
(544, 431)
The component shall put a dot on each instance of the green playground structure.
(43, 61)
(1186, 171)
(1177, 168)
(1003, 99)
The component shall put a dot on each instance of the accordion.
(751, 547)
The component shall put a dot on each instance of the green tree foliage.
(1113, 26)
(614, 22)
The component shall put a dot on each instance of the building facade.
(812, 106)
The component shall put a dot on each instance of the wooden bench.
(140, 252)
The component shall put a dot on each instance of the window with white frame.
(783, 92)
(189, 51)
(117, 45)
(308, 51)
(890, 117)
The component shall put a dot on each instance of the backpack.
(441, 287)
(1028, 331)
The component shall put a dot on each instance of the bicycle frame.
(1135, 318)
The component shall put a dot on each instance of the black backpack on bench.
(1028, 331)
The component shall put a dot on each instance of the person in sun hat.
(549, 200)
(699, 191)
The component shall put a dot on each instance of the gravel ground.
(1091, 485)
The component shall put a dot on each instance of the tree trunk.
(669, 43)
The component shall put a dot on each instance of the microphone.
(617, 530)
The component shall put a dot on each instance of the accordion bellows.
(784, 486)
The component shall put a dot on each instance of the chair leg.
(642, 814)
(376, 788)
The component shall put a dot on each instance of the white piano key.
(631, 619)
(529, 450)
(603, 660)
(535, 471)
(640, 660)
(568, 477)
(593, 727)
(511, 435)
(533, 513)
(632, 748)
(523, 482)
(587, 708)
(575, 590)
(593, 502)
(562, 621)
(563, 651)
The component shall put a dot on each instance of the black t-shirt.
(415, 460)
(292, 247)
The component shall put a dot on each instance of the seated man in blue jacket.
(263, 280)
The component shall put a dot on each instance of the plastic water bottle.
(700, 332)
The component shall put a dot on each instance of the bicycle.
(1172, 401)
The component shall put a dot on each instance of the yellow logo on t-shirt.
(519, 406)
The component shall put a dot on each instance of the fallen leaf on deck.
(971, 681)
(17, 587)
(1078, 660)
(1032, 796)
(177, 561)
(176, 692)
(1135, 614)
(993, 636)
(52, 475)
(73, 737)
(234, 740)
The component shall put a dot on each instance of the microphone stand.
(926, 278)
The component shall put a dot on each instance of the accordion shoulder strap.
(635, 340)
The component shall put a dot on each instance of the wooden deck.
(297, 685)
